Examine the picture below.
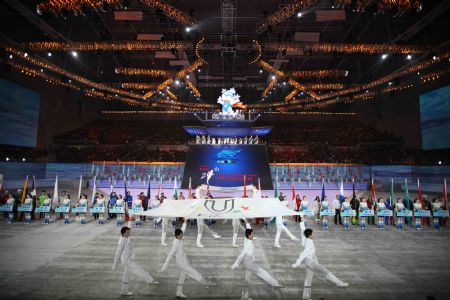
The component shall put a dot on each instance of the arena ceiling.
(280, 55)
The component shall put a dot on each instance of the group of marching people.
(126, 255)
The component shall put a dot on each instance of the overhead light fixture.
(434, 57)
(299, 14)
(177, 82)
(284, 82)
(25, 54)
(409, 57)
(187, 76)
(74, 53)
(199, 70)
(7, 159)
(10, 56)
(384, 56)
(49, 54)
(188, 29)
(390, 83)
(23, 159)
(260, 71)
(274, 77)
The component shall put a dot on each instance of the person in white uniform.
(182, 262)
(304, 206)
(417, 207)
(28, 201)
(200, 227)
(362, 207)
(101, 203)
(137, 204)
(399, 206)
(10, 202)
(165, 229)
(119, 217)
(381, 206)
(247, 257)
(66, 204)
(126, 255)
(437, 205)
(345, 207)
(47, 202)
(308, 255)
(282, 228)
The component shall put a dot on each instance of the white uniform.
(66, 203)
(82, 203)
(182, 262)
(101, 216)
(316, 208)
(247, 257)
(236, 225)
(137, 203)
(312, 265)
(436, 206)
(200, 226)
(10, 201)
(381, 206)
(165, 228)
(28, 201)
(282, 228)
(126, 255)
(47, 202)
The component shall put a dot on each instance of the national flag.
(275, 193)
(149, 196)
(292, 202)
(444, 192)
(373, 191)
(160, 187)
(245, 187)
(24, 191)
(341, 192)
(111, 187)
(259, 184)
(391, 195)
(55, 192)
(407, 194)
(353, 188)
(190, 188)
(79, 187)
(33, 188)
(419, 194)
(323, 191)
(94, 190)
(175, 188)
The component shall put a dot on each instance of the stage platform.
(72, 262)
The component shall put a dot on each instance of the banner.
(348, 213)
(231, 208)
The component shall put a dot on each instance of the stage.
(72, 262)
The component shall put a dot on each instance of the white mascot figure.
(228, 100)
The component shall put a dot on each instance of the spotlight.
(409, 57)
(260, 70)
(177, 82)
(346, 73)
(117, 95)
(418, 73)
(23, 159)
(42, 70)
(187, 76)
(390, 83)
(10, 56)
(434, 57)
(7, 159)
(284, 82)
(70, 80)
(188, 29)
(274, 77)
(199, 70)
(25, 54)
(93, 89)
(439, 162)
(299, 14)
(384, 56)
(49, 54)
(74, 53)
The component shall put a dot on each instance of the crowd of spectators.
(334, 142)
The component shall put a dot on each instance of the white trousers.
(282, 228)
(133, 267)
(201, 225)
(315, 267)
(260, 272)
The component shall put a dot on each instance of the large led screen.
(435, 119)
(226, 165)
(19, 115)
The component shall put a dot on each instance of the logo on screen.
(228, 156)
(208, 176)
(228, 205)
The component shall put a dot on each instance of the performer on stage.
(324, 206)
(316, 208)
(28, 201)
(248, 258)
(10, 201)
(312, 263)
(83, 203)
(182, 262)
(381, 206)
(137, 204)
(200, 227)
(363, 207)
(399, 207)
(417, 207)
(345, 206)
(126, 255)
(304, 206)
(236, 225)
(101, 203)
(119, 217)
(165, 228)
(437, 205)
(66, 204)
(337, 208)
(282, 228)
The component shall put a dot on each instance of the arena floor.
(72, 262)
